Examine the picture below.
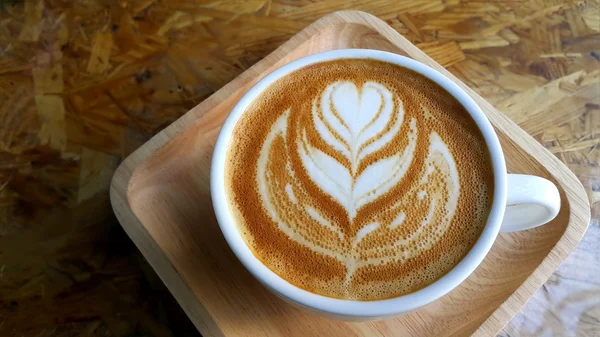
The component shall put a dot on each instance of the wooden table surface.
(84, 83)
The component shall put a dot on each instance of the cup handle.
(532, 201)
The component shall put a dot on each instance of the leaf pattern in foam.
(357, 122)
(343, 120)
(348, 117)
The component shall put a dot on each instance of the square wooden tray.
(161, 196)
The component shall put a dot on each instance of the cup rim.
(344, 307)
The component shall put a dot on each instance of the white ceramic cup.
(532, 201)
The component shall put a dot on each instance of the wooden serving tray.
(161, 196)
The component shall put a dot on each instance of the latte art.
(356, 122)
(355, 186)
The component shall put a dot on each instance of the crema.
(358, 179)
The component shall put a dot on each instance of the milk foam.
(356, 122)
(352, 188)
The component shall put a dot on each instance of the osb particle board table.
(85, 84)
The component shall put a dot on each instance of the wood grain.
(161, 196)
(151, 61)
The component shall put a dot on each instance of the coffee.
(358, 179)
